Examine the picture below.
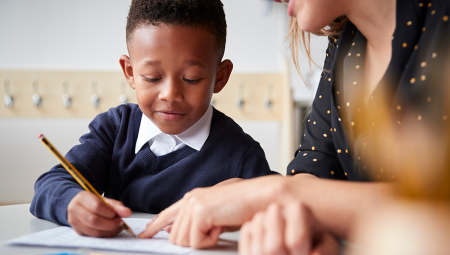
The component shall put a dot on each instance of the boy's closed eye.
(190, 81)
(153, 80)
(193, 81)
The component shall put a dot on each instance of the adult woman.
(385, 45)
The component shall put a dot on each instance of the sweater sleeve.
(92, 157)
(254, 163)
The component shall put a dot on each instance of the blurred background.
(89, 35)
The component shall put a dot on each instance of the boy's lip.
(282, 1)
(170, 115)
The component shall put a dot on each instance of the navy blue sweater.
(145, 182)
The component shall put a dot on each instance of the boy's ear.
(125, 63)
(223, 75)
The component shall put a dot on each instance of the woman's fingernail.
(151, 220)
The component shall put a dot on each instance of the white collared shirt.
(161, 143)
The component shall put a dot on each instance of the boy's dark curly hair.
(202, 14)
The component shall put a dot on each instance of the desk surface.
(16, 220)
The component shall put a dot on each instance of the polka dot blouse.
(334, 143)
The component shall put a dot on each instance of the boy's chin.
(170, 130)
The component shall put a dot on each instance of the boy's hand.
(89, 216)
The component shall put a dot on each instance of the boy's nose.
(171, 92)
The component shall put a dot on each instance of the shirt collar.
(147, 131)
(194, 137)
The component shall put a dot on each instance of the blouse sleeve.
(317, 154)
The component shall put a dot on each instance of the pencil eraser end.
(40, 136)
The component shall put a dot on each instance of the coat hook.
(37, 99)
(95, 100)
(123, 99)
(66, 100)
(269, 102)
(239, 100)
(8, 99)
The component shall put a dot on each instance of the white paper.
(66, 237)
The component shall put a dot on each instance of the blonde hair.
(298, 37)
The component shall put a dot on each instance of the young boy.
(145, 157)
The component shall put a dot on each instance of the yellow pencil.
(78, 177)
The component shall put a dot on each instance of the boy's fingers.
(99, 233)
(94, 221)
(87, 231)
(113, 201)
(119, 208)
(85, 214)
(122, 211)
(92, 203)
(85, 222)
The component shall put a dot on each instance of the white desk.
(16, 220)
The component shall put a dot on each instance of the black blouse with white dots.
(418, 75)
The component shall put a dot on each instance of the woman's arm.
(337, 204)
(203, 213)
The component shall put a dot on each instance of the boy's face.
(174, 70)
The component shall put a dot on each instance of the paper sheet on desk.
(66, 237)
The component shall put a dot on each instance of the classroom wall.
(90, 35)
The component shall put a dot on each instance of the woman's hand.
(228, 181)
(204, 213)
(287, 229)
(89, 216)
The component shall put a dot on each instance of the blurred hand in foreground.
(288, 229)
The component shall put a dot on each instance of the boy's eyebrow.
(152, 62)
(194, 63)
